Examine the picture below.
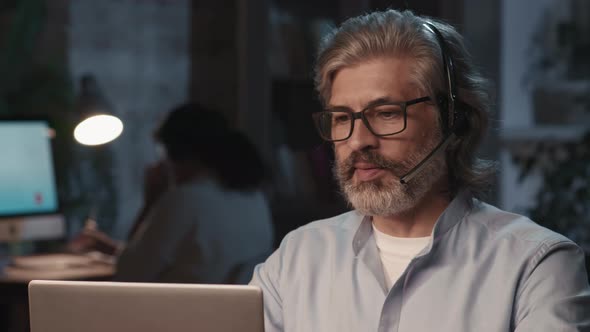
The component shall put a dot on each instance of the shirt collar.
(455, 212)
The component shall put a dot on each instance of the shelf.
(542, 133)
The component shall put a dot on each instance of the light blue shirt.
(484, 270)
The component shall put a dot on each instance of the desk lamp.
(98, 126)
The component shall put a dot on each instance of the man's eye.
(388, 113)
(340, 118)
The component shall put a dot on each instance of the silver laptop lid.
(73, 306)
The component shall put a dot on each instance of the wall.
(519, 18)
(139, 52)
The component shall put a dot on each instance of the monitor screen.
(27, 178)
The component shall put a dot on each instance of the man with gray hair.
(420, 252)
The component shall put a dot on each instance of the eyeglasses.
(384, 119)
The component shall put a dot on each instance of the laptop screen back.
(68, 306)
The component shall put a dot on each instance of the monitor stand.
(35, 227)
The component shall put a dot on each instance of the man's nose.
(361, 137)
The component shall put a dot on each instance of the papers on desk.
(51, 261)
(58, 266)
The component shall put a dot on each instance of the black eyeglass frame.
(361, 115)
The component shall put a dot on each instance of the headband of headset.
(453, 120)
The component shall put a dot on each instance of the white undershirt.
(396, 253)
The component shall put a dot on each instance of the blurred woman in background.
(205, 218)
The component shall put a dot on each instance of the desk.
(14, 280)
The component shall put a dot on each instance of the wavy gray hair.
(393, 33)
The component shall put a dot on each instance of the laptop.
(73, 306)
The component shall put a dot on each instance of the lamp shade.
(98, 125)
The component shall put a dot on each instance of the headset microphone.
(440, 147)
(454, 123)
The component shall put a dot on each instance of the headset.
(454, 121)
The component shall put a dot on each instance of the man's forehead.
(381, 78)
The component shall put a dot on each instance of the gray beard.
(386, 196)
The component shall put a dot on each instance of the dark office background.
(253, 60)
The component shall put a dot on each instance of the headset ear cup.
(461, 126)
(443, 106)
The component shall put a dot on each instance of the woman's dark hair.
(192, 132)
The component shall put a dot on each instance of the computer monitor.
(29, 208)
